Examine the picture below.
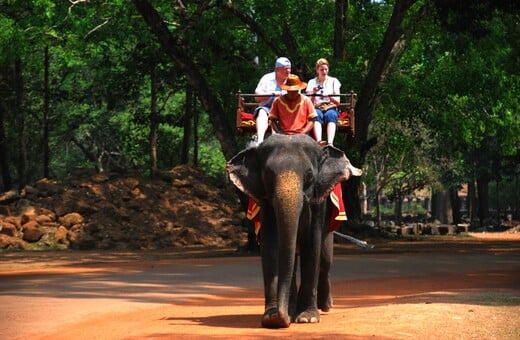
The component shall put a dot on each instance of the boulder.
(60, 235)
(7, 228)
(71, 219)
(32, 232)
(12, 243)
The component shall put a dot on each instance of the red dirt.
(442, 288)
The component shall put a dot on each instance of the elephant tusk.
(362, 244)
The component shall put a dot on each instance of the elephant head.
(290, 176)
(254, 170)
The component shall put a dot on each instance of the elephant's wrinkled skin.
(291, 177)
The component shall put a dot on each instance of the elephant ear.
(334, 168)
(244, 173)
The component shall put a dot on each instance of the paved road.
(56, 298)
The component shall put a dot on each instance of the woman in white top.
(323, 87)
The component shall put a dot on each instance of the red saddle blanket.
(338, 212)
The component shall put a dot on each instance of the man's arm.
(266, 94)
(308, 127)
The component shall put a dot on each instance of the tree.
(467, 84)
(104, 88)
(398, 165)
(175, 49)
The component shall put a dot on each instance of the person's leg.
(331, 133)
(331, 121)
(317, 131)
(318, 128)
(262, 123)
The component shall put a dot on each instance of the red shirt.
(292, 117)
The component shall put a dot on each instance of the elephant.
(290, 176)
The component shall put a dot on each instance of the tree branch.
(253, 26)
(384, 59)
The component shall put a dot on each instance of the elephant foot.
(325, 305)
(273, 319)
(308, 316)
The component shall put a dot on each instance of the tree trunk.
(364, 199)
(483, 199)
(340, 28)
(195, 133)
(370, 93)
(18, 85)
(154, 120)
(46, 110)
(7, 183)
(188, 118)
(179, 55)
(378, 208)
(455, 205)
(369, 97)
(471, 202)
(398, 209)
(441, 209)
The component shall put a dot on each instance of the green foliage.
(449, 109)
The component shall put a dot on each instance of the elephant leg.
(293, 297)
(287, 260)
(324, 293)
(269, 254)
(307, 296)
(270, 265)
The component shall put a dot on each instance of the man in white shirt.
(269, 84)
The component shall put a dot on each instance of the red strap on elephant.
(253, 214)
(338, 212)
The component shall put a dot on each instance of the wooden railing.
(245, 121)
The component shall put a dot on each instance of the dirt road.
(457, 288)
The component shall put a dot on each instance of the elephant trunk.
(287, 202)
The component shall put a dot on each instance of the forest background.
(140, 86)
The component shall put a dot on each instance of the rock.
(84, 206)
(99, 178)
(408, 230)
(131, 182)
(179, 183)
(48, 187)
(25, 207)
(7, 228)
(370, 223)
(31, 232)
(189, 236)
(60, 235)
(4, 210)
(71, 219)
(418, 228)
(114, 211)
(13, 220)
(30, 192)
(43, 219)
(82, 242)
(12, 243)
(463, 227)
(9, 196)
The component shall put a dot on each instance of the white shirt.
(331, 85)
(267, 85)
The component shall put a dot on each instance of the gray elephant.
(291, 177)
